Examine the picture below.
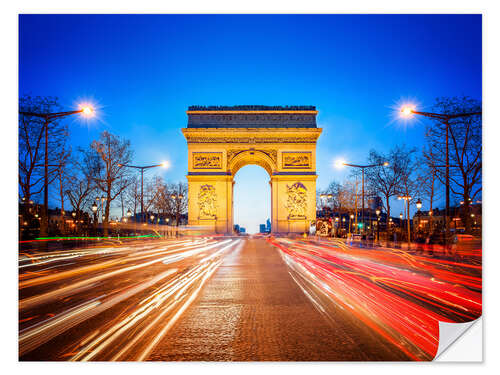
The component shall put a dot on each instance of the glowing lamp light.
(165, 164)
(419, 204)
(87, 110)
(407, 111)
(339, 163)
(386, 164)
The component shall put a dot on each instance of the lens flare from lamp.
(407, 111)
(87, 110)
(339, 164)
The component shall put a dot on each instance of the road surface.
(239, 299)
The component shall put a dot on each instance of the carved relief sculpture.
(273, 154)
(207, 160)
(296, 160)
(297, 200)
(207, 202)
(225, 140)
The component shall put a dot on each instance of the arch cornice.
(255, 157)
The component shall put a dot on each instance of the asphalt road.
(232, 299)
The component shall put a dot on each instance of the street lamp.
(95, 207)
(418, 203)
(177, 198)
(341, 163)
(407, 112)
(129, 213)
(164, 164)
(406, 208)
(350, 222)
(377, 211)
(86, 111)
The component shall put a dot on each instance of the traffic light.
(360, 225)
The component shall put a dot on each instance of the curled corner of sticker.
(451, 335)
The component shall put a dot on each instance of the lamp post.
(48, 118)
(177, 199)
(406, 208)
(377, 211)
(362, 167)
(350, 223)
(445, 119)
(418, 203)
(95, 208)
(142, 168)
(129, 215)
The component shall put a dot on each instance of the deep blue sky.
(143, 71)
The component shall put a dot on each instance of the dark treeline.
(87, 183)
(420, 174)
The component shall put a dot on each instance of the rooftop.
(252, 108)
(252, 116)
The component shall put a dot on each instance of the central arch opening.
(251, 198)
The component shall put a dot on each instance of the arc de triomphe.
(282, 140)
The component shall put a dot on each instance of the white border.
(8, 147)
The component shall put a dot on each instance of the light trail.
(148, 288)
(399, 295)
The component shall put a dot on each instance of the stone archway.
(282, 140)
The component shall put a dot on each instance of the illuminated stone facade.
(282, 140)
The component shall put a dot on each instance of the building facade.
(282, 140)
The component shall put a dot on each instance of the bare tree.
(172, 200)
(385, 180)
(106, 158)
(428, 181)
(132, 194)
(180, 191)
(152, 192)
(343, 196)
(32, 145)
(465, 147)
(79, 188)
(408, 183)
